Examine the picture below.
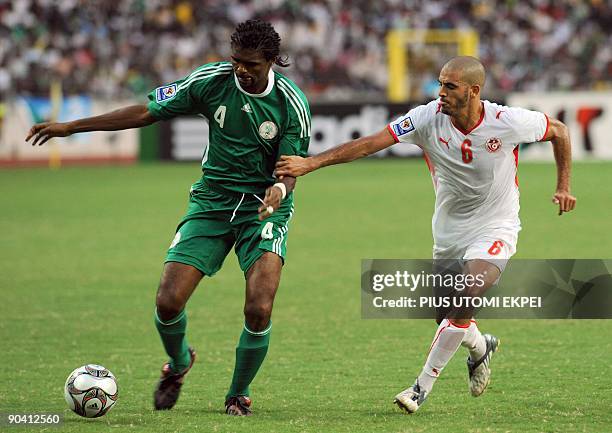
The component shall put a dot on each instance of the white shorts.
(491, 248)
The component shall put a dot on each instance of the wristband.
(283, 189)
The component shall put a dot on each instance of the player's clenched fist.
(271, 202)
(565, 200)
(42, 132)
(293, 166)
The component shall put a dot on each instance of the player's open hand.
(42, 132)
(293, 166)
(565, 200)
(271, 202)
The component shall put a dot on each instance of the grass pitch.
(81, 255)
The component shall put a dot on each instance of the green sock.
(250, 353)
(172, 334)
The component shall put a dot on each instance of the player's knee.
(441, 313)
(258, 310)
(167, 310)
(257, 315)
(169, 304)
(474, 290)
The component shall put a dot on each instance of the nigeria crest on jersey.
(268, 130)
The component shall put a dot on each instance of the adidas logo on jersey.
(247, 108)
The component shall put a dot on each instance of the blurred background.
(367, 59)
(82, 247)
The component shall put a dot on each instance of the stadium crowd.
(337, 48)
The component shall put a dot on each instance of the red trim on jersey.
(392, 133)
(547, 126)
(456, 325)
(464, 132)
(431, 168)
(516, 152)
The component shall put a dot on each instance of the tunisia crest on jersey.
(493, 144)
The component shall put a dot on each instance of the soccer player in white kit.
(471, 149)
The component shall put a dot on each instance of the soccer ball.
(91, 391)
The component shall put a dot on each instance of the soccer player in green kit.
(255, 115)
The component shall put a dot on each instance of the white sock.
(447, 340)
(474, 342)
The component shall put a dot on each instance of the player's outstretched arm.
(558, 134)
(133, 116)
(297, 166)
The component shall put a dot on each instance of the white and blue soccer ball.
(91, 391)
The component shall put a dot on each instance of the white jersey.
(474, 172)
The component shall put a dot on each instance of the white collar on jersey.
(262, 94)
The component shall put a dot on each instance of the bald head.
(461, 81)
(470, 70)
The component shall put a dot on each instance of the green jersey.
(247, 132)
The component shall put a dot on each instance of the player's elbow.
(558, 130)
(563, 130)
(370, 145)
(360, 153)
(145, 117)
(366, 150)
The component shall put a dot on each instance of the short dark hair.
(260, 36)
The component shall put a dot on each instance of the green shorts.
(218, 219)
